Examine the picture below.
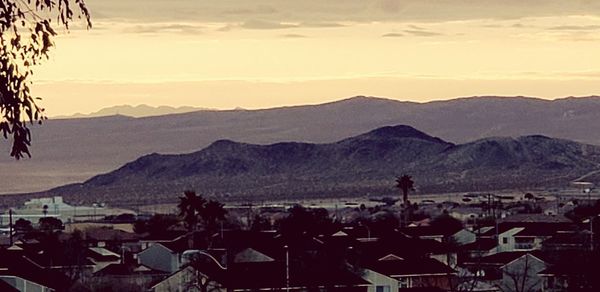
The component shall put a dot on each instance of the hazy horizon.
(271, 53)
(200, 108)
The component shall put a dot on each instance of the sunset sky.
(265, 53)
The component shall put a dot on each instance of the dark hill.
(361, 165)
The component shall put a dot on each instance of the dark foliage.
(50, 224)
(26, 33)
(157, 224)
(305, 221)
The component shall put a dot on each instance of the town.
(476, 242)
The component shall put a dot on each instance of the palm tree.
(212, 213)
(405, 184)
(190, 206)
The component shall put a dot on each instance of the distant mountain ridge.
(366, 164)
(74, 150)
(137, 111)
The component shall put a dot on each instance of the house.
(457, 235)
(568, 240)
(532, 237)
(506, 238)
(525, 231)
(164, 256)
(126, 275)
(489, 267)
(401, 245)
(102, 257)
(149, 239)
(480, 248)
(572, 271)
(260, 273)
(379, 282)
(113, 239)
(22, 274)
(523, 273)
(411, 273)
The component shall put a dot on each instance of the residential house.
(19, 272)
(457, 235)
(489, 268)
(127, 275)
(412, 273)
(572, 271)
(521, 274)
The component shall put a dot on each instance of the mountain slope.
(365, 164)
(72, 150)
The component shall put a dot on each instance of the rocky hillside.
(366, 164)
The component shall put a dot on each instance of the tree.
(212, 213)
(302, 221)
(156, 224)
(190, 206)
(522, 275)
(405, 184)
(50, 224)
(26, 36)
(23, 226)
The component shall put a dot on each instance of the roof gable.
(250, 255)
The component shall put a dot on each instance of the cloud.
(575, 27)
(422, 33)
(261, 24)
(259, 10)
(239, 11)
(164, 28)
(392, 35)
(293, 36)
(322, 24)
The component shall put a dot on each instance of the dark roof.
(182, 243)
(56, 259)
(492, 232)
(166, 235)
(5, 287)
(98, 256)
(575, 263)
(258, 275)
(575, 239)
(535, 218)
(108, 234)
(480, 244)
(537, 231)
(15, 263)
(406, 267)
(419, 231)
(401, 245)
(500, 258)
(127, 269)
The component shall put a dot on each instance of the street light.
(591, 219)
(287, 268)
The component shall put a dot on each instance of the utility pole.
(592, 233)
(10, 226)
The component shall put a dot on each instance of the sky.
(267, 53)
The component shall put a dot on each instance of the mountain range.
(366, 164)
(74, 150)
(137, 111)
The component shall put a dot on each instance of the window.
(504, 240)
(382, 289)
(403, 282)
